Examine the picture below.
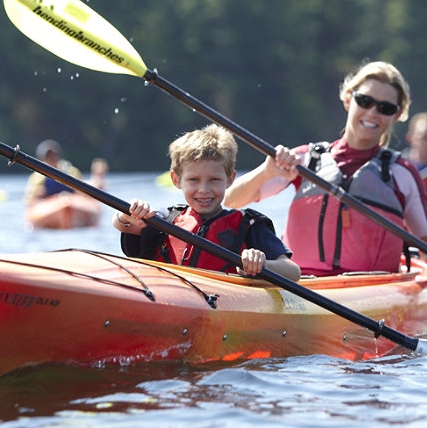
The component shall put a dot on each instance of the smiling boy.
(203, 167)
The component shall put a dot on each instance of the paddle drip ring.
(150, 76)
(15, 155)
(379, 328)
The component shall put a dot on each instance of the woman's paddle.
(76, 33)
(378, 327)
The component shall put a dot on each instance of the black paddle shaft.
(379, 328)
(267, 149)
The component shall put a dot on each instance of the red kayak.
(87, 308)
(64, 211)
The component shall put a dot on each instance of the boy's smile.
(203, 184)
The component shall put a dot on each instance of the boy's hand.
(253, 262)
(140, 210)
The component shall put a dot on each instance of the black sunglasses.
(366, 101)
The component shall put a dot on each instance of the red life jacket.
(342, 239)
(228, 229)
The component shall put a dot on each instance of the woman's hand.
(285, 162)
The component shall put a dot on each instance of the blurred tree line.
(274, 67)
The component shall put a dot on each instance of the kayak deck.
(83, 307)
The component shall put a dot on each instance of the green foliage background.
(272, 66)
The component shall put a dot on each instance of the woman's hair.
(383, 72)
(209, 143)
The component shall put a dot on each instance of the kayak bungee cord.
(99, 279)
(210, 299)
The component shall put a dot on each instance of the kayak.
(88, 308)
(64, 211)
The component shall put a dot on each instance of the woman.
(326, 236)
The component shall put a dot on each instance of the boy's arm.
(265, 249)
(284, 266)
(133, 223)
(123, 223)
(254, 260)
(145, 246)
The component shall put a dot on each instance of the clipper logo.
(26, 300)
(78, 35)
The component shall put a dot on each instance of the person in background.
(202, 166)
(417, 141)
(327, 236)
(39, 186)
(98, 170)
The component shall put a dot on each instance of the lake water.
(313, 391)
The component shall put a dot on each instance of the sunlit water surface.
(314, 391)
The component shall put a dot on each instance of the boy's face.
(204, 184)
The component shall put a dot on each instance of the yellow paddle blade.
(75, 33)
(165, 180)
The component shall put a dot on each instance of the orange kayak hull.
(87, 308)
(64, 211)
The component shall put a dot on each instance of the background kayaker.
(417, 141)
(203, 166)
(326, 236)
(39, 186)
(50, 151)
(98, 170)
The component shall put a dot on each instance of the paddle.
(379, 328)
(76, 33)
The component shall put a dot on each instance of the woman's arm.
(246, 189)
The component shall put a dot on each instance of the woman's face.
(365, 126)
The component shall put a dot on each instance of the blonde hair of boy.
(212, 142)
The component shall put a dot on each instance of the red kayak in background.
(64, 211)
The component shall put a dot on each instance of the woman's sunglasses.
(366, 101)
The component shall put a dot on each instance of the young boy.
(202, 166)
